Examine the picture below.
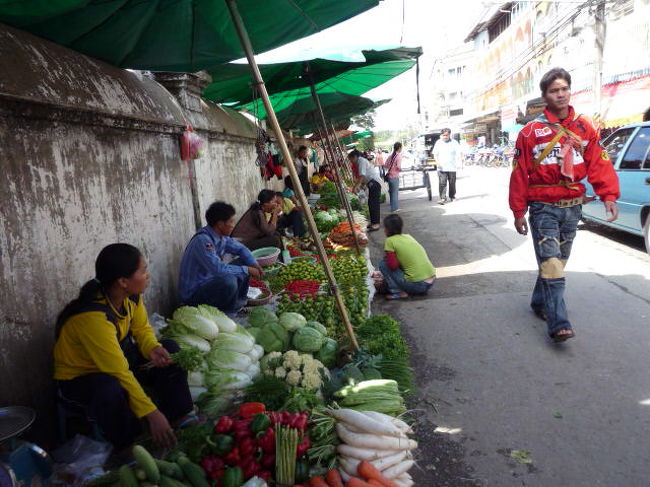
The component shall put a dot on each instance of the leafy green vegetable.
(317, 326)
(307, 340)
(227, 359)
(327, 353)
(302, 399)
(192, 318)
(269, 390)
(273, 337)
(292, 321)
(218, 317)
(190, 358)
(226, 380)
(260, 316)
(235, 343)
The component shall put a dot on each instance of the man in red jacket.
(553, 154)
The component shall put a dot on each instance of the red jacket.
(545, 181)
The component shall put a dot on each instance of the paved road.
(491, 383)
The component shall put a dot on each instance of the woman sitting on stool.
(103, 340)
(253, 229)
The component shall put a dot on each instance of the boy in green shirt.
(406, 267)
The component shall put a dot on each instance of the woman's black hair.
(354, 153)
(302, 148)
(396, 146)
(264, 196)
(288, 182)
(219, 212)
(393, 225)
(113, 262)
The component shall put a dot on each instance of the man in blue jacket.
(204, 277)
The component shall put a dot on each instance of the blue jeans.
(393, 190)
(227, 292)
(396, 282)
(553, 230)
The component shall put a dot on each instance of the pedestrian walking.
(367, 175)
(448, 158)
(301, 162)
(553, 154)
(393, 166)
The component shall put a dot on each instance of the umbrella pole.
(259, 82)
(342, 153)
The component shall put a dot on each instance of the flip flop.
(564, 336)
(372, 229)
(395, 297)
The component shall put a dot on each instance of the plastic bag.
(255, 482)
(192, 145)
(80, 460)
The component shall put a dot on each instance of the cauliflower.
(294, 377)
(312, 380)
(280, 373)
(292, 360)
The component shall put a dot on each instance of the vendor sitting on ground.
(253, 229)
(320, 178)
(205, 278)
(106, 351)
(290, 218)
(406, 267)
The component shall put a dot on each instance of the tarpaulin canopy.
(302, 114)
(356, 137)
(173, 35)
(231, 83)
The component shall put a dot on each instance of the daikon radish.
(401, 482)
(349, 466)
(344, 475)
(360, 421)
(363, 453)
(378, 442)
(387, 462)
(399, 469)
(399, 424)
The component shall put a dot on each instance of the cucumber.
(170, 469)
(140, 474)
(127, 477)
(193, 473)
(170, 482)
(146, 462)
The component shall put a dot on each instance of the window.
(637, 153)
(455, 113)
(615, 143)
(499, 26)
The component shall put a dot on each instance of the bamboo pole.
(259, 83)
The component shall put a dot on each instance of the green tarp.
(231, 83)
(356, 137)
(173, 35)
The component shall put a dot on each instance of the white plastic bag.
(80, 460)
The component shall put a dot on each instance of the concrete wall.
(90, 155)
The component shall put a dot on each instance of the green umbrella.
(173, 35)
(231, 82)
(303, 114)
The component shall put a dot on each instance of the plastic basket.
(266, 256)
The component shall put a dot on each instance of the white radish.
(378, 442)
(397, 470)
(398, 423)
(344, 475)
(349, 465)
(365, 423)
(387, 462)
(400, 482)
(363, 453)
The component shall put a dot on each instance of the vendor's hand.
(160, 429)
(521, 225)
(255, 272)
(611, 208)
(160, 357)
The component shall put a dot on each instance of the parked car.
(629, 150)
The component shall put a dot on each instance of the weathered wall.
(89, 156)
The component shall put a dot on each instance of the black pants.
(293, 221)
(443, 177)
(374, 195)
(107, 403)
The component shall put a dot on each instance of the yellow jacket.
(88, 343)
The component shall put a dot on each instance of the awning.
(173, 35)
(231, 83)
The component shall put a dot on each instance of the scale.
(21, 463)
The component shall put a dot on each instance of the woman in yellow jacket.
(105, 351)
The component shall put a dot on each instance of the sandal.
(563, 337)
(371, 228)
(539, 312)
(396, 296)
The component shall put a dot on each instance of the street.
(498, 404)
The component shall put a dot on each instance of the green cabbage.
(317, 326)
(292, 321)
(227, 359)
(260, 316)
(192, 318)
(307, 340)
(232, 342)
(327, 353)
(221, 320)
(274, 338)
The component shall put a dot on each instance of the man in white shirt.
(448, 158)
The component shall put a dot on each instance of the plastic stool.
(67, 410)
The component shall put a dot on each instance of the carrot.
(375, 483)
(355, 482)
(317, 482)
(369, 471)
(333, 478)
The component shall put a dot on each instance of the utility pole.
(600, 31)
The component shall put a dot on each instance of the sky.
(432, 24)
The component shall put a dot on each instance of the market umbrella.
(231, 82)
(173, 35)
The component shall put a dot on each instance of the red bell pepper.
(250, 467)
(242, 428)
(224, 425)
(267, 441)
(301, 422)
(216, 474)
(247, 447)
(233, 457)
(303, 446)
(250, 409)
(264, 475)
(268, 460)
